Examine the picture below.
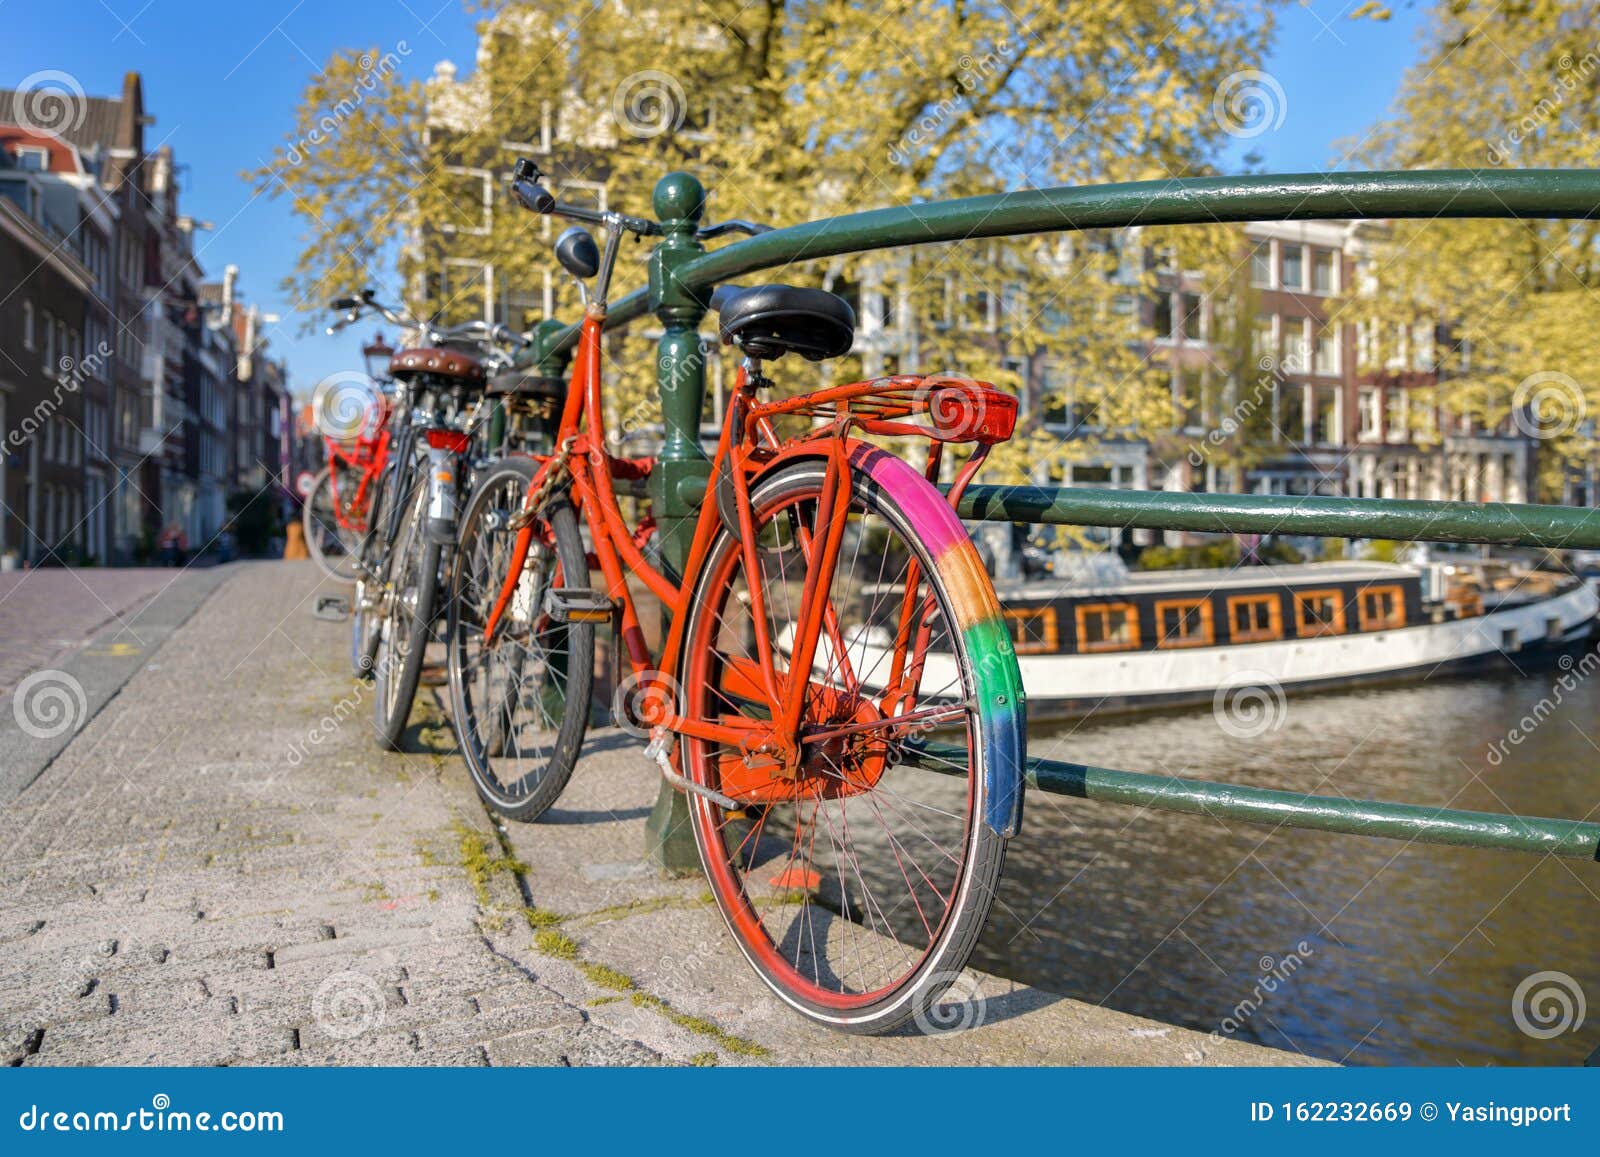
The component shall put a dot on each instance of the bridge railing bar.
(1570, 839)
(1554, 527)
(682, 277)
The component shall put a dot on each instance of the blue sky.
(222, 80)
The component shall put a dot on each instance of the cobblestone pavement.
(222, 868)
(50, 612)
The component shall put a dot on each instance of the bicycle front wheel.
(521, 706)
(856, 883)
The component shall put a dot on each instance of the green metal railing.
(682, 276)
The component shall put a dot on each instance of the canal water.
(1369, 952)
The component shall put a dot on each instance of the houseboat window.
(1184, 623)
(1382, 608)
(1318, 613)
(1033, 630)
(1108, 627)
(1254, 618)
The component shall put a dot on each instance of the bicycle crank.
(659, 752)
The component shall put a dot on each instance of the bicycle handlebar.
(476, 331)
(534, 197)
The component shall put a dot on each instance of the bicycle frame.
(366, 455)
(748, 445)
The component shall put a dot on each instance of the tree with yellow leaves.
(1498, 85)
(791, 112)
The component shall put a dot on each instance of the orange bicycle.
(832, 615)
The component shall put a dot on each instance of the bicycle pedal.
(578, 605)
(333, 608)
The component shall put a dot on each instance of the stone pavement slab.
(220, 867)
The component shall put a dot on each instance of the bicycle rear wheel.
(856, 884)
(334, 547)
(520, 707)
(405, 625)
(371, 570)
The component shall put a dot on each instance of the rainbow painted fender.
(1002, 705)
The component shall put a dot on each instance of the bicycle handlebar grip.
(533, 196)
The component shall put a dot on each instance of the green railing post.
(681, 468)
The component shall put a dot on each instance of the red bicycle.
(831, 616)
(352, 413)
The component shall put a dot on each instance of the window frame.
(1370, 622)
(1274, 628)
(1337, 627)
(1284, 249)
(1049, 644)
(1208, 626)
(1080, 617)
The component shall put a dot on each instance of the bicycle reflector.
(971, 412)
(453, 440)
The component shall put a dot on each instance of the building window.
(1108, 627)
(1262, 342)
(1189, 394)
(1291, 412)
(1190, 303)
(1326, 357)
(1184, 623)
(1254, 618)
(1318, 613)
(1325, 416)
(1382, 608)
(1033, 630)
(1294, 267)
(1324, 279)
(1396, 416)
(1371, 414)
(1296, 346)
(1261, 265)
(1163, 322)
(49, 324)
(27, 325)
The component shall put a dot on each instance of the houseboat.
(1117, 640)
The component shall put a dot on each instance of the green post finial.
(679, 197)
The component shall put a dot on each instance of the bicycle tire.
(770, 919)
(320, 523)
(519, 765)
(408, 615)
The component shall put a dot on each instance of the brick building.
(122, 395)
